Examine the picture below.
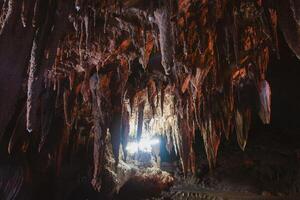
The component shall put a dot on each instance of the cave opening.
(139, 99)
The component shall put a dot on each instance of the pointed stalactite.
(166, 39)
(178, 141)
(242, 126)
(211, 142)
(35, 60)
(11, 78)
(265, 102)
(209, 127)
(30, 117)
(151, 91)
(87, 32)
(50, 28)
(25, 12)
(98, 132)
(125, 131)
(188, 138)
(274, 23)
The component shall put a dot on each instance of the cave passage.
(149, 99)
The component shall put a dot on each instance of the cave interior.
(149, 99)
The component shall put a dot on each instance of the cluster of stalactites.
(213, 59)
(218, 64)
(210, 75)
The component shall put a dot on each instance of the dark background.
(284, 78)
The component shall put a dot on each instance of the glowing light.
(132, 147)
(146, 144)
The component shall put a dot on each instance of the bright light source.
(144, 145)
(132, 147)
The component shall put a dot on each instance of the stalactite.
(32, 71)
(24, 13)
(35, 67)
(80, 48)
(265, 100)
(38, 64)
(151, 90)
(99, 134)
(207, 80)
(242, 121)
(162, 17)
(87, 35)
(274, 23)
(12, 76)
(125, 131)
(36, 14)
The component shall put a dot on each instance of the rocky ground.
(269, 168)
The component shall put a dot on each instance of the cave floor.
(203, 194)
(267, 169)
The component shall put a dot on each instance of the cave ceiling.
(72, 71)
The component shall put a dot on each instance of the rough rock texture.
(71, 72)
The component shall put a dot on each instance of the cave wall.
(283, 75)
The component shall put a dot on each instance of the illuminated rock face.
(71, 72)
